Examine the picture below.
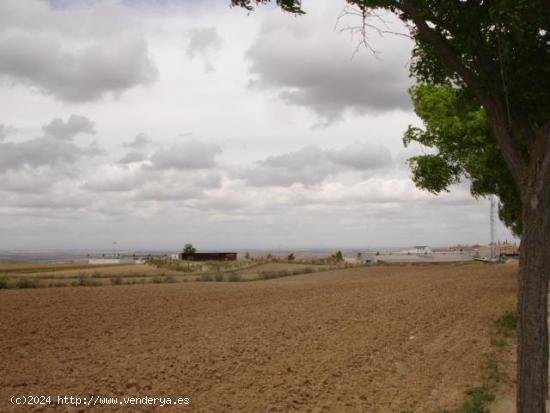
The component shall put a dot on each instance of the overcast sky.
(156, 123)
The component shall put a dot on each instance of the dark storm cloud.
(312, 165)
(312, 66)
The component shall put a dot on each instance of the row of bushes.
(218, 277)
(268, 275)
(28, 282)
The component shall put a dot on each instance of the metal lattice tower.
(492, 225)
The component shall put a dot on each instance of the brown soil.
(377, 339)
(118, 269)
(30, 268)
(279, 266)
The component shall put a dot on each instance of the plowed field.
(377, 339)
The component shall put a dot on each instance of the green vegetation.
(25, 282)
(506, 323)
(233, 277)
(290, 257)
(189, 249)
(490, 373)
(506, 329)
(86, 282)
(163, 279)
(456, 127)
(231, 271)
(205, 278)
(477, 401)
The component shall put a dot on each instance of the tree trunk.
(532, 351)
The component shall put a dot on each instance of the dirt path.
(380, 339)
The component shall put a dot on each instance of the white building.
(420, 250)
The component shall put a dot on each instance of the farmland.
(370, 339)
(24, 275)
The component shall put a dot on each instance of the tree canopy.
(456, 128)
(189, 249)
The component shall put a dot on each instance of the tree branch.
(496, 111)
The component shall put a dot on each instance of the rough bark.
(532, 352)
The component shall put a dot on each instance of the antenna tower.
(492, 225)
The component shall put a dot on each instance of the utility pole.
(492, 225)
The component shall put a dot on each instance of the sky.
(155, 123)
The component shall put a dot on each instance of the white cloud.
(310, 65)
(312, 165)
(76, 124)
(186, 155)
(55, 148)
(256, 175)
(204, 42)
(140, 140)
(45, 49)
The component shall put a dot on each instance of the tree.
(497, 52)
(457, 127)
(290, 257)
(359, 257)
(247, 256)
(338, 256)
(189, 249)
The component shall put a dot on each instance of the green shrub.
(86, 282)
(506, 323)
(477, 400)
(490, 373)
(218, 277)
(205, 277)
(234, 277)
(116, 280)
(3, 283)
(25, 282)
(499, 342)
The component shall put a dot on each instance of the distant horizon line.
(246, 249)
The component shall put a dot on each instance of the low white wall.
(98, 261)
